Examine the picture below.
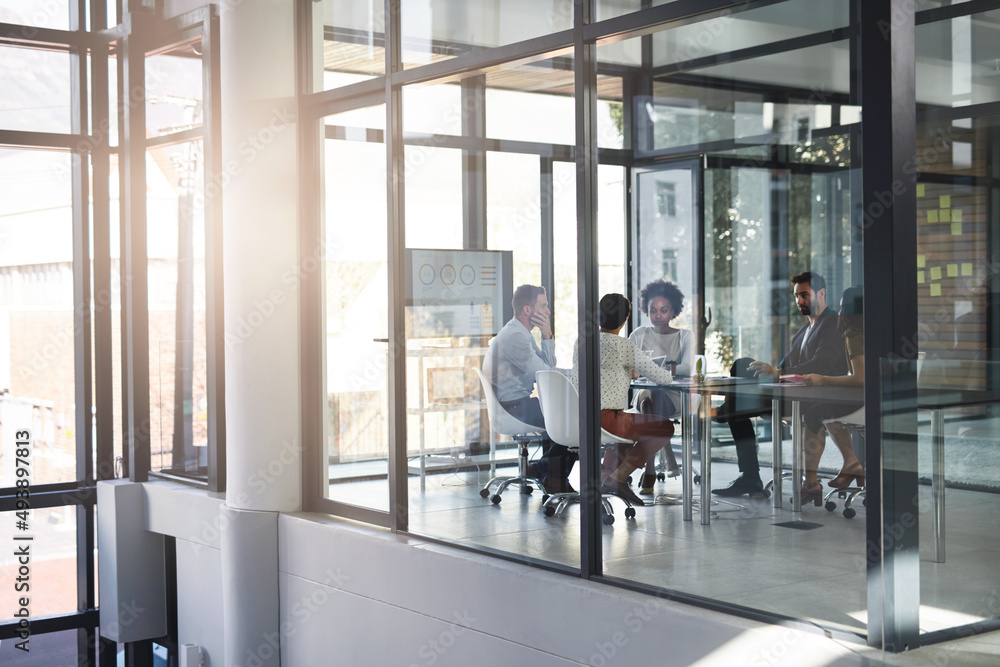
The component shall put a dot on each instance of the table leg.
(797, 456)
(705, 406)
(937, 483)
(687, 459)
(776, 454)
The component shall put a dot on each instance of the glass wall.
(355, 303)
(175, 249)
(728, 163)
(485, 207)
(36, 312)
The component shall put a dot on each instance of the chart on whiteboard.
(456, 292)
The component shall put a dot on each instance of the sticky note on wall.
(920, 277)
(935, 273)
(956, 215)
(921, 189)
(935, 289)
(945, 215)
(921, 261)
(944, 201)
(966, 268)
(956, 229)
(952, 270)
(932, 216)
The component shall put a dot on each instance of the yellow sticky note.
(966, 268)
(956, 215)
(921, 189)
(945, 215)
(952, 270)
(944, 201)
(932, 215)
(935, 273)
(920, 277)
(956, 229)
(935, 289)
(921, 261)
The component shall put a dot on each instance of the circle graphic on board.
(448, 274)
(467, 274)
(426, 274)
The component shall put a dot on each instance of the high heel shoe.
(646, 483)
(855, 476)
(674, 472)
(812, 494)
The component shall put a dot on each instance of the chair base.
(521, 479)
(557, 503)
(851, 493)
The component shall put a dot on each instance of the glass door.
(668, 228)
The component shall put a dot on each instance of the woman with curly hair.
(662, 301)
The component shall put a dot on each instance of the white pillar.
(261, 268)
(260, 241)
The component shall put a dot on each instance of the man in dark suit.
(818, 347)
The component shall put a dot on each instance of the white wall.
(354, 595)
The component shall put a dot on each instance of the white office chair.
(504, 423)
(561, 408)
(855, 423)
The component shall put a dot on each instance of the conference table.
(937, 400)
(753, 389)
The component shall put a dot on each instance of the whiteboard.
(457, 292)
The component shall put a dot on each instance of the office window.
(37, 370)
(175, 242)
(355, 311)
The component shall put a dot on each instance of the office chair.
(855, 423)
(560, 404)
(504, 423)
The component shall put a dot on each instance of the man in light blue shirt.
(511, 362)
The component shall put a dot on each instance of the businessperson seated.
(511, 361)
(662, 301)
(852, 472)
(818, 347)
(620, 359)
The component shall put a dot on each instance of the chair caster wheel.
(864, 501)
(607, 519)
(495, 499)
(697, 479)
(660, 477)
(549, 510)
(629, 512)
(484, 493)
(849, 513)
(830, 506)
(526, 490)
(545, 498)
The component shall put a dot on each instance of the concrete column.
(259, 186)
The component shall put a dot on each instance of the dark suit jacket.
(824, 352)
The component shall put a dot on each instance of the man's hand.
(543, 324)
(813, 379)
(763, 368)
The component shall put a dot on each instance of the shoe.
(845, 479)
(742, 485)
(646, 483)
(812, 494)
(555, 485)
(621, 490)
(674, 472)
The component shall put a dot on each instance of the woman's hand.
(813, 379)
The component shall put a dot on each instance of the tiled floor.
(742, 558)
